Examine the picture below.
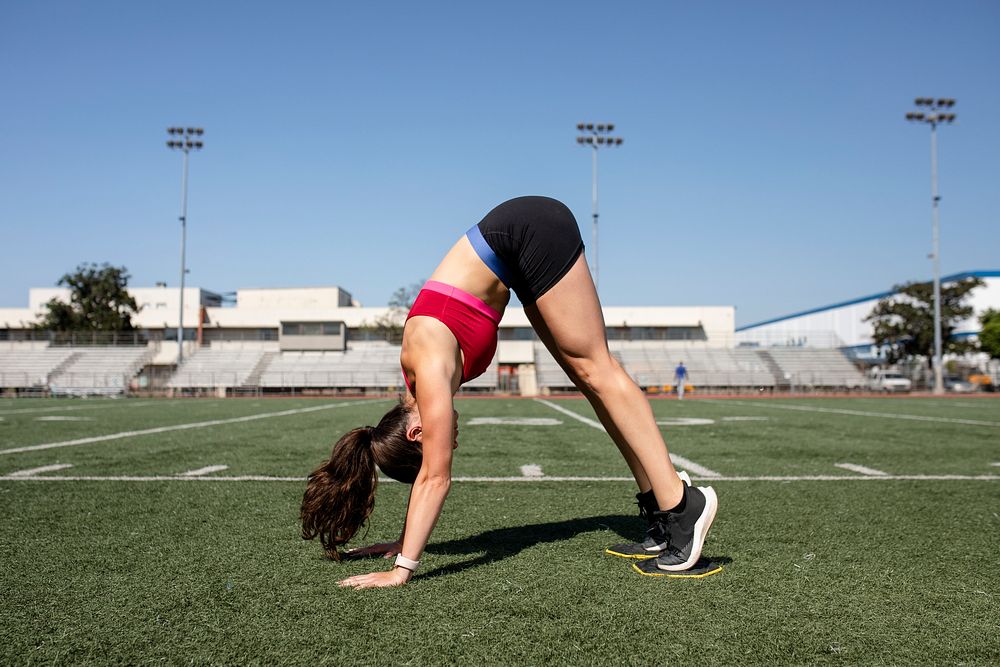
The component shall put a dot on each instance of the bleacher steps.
(253, 379)
(66, 363)
(780, 382)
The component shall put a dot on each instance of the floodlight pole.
(184, 205)
(593, 208)
(594, 136)
(936, 251)
(933, 119)
(186, 144)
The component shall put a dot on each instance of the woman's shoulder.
(430, 353)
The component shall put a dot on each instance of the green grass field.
(117, 557)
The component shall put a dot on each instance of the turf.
(815, 572)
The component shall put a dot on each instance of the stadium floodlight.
(935, 118)
(596, 136)
(187, 145)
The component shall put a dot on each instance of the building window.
(656, 333)
(171, 334)
(517, 333)
(312, 328)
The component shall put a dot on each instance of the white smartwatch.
(407, 563)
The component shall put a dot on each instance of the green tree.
(904, 321)
(98, 301)
(390, 325)
(989, 335)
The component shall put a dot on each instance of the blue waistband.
(489, 257)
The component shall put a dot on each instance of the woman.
(530, 245)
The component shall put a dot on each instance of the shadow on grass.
(495, 545)
(500, 543)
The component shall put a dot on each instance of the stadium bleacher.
(98, 371)
(487, 381)
(652, 365)
(71, 371)
(215, 368)
(815, 368)
(374, 366)
(25, 368)
(548, 373)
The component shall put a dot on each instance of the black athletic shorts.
(529, 243)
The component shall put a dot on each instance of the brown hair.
(340, 493)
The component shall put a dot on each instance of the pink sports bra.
(473, 322)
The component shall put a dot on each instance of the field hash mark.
(853, 467)
(37, 471)
(207, 470)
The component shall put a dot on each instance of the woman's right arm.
(437, 417)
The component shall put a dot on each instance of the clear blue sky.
(766, 162)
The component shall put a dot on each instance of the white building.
(257, 316)
(321, 337)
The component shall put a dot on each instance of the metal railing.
(389, 379)
(85, 338)
(795, 339)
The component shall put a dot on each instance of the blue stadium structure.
(841, 325)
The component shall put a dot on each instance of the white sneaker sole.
(700, 531)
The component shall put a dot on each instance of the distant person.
(680, 377)
(530, 245)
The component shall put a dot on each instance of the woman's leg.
(641, 479)
(569, 321)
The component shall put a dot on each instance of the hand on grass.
(397, 576)
(385, 550)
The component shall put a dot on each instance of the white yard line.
(68, 408)
(204, 471)
(35, 471)
(532, 470)
(180, 427)
(863, 413)
(853, 467)
(157, 478)
(760, 478)
(687, 464)
(543, 479)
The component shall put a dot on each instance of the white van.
(884, 379)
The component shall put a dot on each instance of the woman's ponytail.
(340, 493)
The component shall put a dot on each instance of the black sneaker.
(657, 540)
(688, 529)
(647, 501)
(657, 537)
